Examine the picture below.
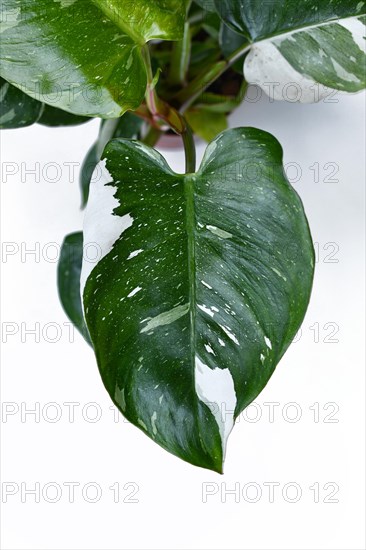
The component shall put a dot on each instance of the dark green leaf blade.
(301, 54)
(54, 117)
(68, 281)
(202, 283)
(17, 109)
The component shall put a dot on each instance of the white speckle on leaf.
(206, 285)
(278, 273)
(134, 291)
(268, 342)
(215, 388)
(219, 232)
(153, 422)
(209, 349)
(205, 309)
(134, 254)
(165, 318)
(230, 334)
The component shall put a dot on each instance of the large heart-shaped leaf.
(202, 282)
(17, 109)
(301, 52)
(84, 56)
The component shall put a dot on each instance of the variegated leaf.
(301, 52)
(84, 56)
(201, 283)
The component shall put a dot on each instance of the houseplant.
(202, 279)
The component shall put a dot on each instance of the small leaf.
(17, 109)
(68, 280)
(52, 116)
(202, 283)
(206, 124)
(301, 54)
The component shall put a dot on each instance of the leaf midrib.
(113, 16)
(190, 224)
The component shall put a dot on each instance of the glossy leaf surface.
(301, 54)
(202, 282)
(16, 108)
(84, 56)
(68, 280)
(54, 117)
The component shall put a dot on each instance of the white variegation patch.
(102, 228)
(357, 29)
(9, 19)
(215, 388)
(266, 67)
(165, 318)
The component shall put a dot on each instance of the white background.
(171, 512)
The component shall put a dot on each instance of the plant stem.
(190, 150)
(188, 95)
(181, 55)
(160, 110)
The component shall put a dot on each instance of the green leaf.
(202, 282)
(230, 42)
(68, 281)
(146, 20)
(128, 126)
(301, 54)
(211, 24)
(52, 116)
(84, 56)
(16, 108)
(206, 124)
